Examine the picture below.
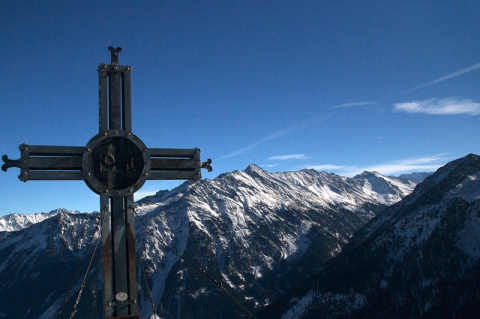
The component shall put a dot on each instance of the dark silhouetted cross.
(115, 164)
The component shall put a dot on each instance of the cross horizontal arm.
(47, 150)
(51, 176)
(55, 163)
(175, 164)
(40, 162)
(174, 175)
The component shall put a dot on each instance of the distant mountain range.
(259, 235)
(417, 259)
(14, 222)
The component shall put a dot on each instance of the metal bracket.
(114, 53)
(20, 163)
(10, 163)
(207, 165)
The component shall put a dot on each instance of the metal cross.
(114, 164)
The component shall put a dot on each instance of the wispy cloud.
(432, 106)
(420, 164)
(352, 104)
(469, 69)
(254, 145)
(275, 135)
(448, 106)
(447, 77)
(268, 165)
(288, 157)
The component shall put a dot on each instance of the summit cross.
(114, 164)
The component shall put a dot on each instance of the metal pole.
(120, 290)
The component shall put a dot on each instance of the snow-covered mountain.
(14, 222)
(40, 262)
(257, 233)
(420, 258)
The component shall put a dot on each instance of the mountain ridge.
(419, 258)
(14, 222)
(258, 233)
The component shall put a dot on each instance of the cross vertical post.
(118, 237)
(114, 164)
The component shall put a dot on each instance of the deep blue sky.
(340, 86)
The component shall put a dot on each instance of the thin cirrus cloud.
(421, 164)
(288, 157)
(353, 104)
(275, 135)
(254, 145)
(449, 106)
(432, 106)
(441, 79)
(448, 76)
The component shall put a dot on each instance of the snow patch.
(338, 304)
(468, 189)
(468, 238)
(298, 310)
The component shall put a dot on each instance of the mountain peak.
(254, 169)
(460, 176)
(463, 165)
(366, 174)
